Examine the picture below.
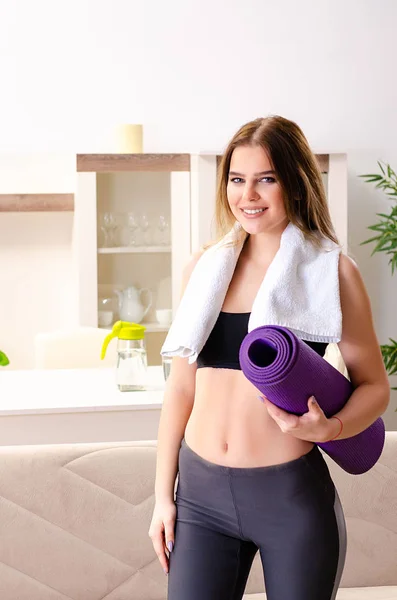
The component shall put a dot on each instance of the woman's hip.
(292, 486)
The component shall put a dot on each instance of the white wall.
(36, 280)
(192, 72)
(36, 271)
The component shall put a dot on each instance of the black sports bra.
(221, 349)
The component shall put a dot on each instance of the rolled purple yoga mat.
(287, 371)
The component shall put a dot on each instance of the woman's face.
(254, 194)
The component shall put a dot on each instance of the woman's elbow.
(386, 398)
(384, 395)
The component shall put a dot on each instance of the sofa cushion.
(74, 523)
(361, 593)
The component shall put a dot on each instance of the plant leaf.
(372, 178)
(3, 359)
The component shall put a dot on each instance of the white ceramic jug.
(130, 306)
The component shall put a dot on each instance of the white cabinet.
(181, 188)
(143, 188)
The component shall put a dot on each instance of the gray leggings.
(290, 512)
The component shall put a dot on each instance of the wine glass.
(132, 226)
(144, 225)
(108, 226)
(164, 231)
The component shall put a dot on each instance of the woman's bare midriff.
(230, 426)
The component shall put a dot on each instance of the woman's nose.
(250, 192)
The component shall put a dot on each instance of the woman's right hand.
(161, 530)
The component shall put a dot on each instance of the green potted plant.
(386, 241)
(3, 359)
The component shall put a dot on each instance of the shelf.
(36, 202)
(135, 250)
(113, 163)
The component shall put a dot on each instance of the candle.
(129, 139)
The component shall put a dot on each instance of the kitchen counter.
(37, 391)
(44, 406)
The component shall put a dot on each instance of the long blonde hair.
(297, 171)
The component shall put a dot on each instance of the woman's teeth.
(253, 212)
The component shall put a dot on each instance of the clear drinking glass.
(132, 226)
(163, 231)
(144, 225)
(108, 225)
(167, 361)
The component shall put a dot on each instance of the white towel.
(300, 290)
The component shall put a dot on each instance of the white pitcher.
(130, 306)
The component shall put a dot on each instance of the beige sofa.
(74, 525)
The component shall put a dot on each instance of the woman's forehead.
(250, 160)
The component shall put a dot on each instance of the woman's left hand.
(313, 426)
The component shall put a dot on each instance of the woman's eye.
(265, 179)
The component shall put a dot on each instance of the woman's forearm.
(365, 405)
(174, 417)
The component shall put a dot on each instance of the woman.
(250, 475)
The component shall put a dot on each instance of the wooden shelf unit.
(36, 202)
(115, 163)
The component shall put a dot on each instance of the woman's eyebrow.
(256, 174)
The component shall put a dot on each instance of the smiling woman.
(246, 481)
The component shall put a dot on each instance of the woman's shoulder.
(351, 282)
(189, 267)
(348, 267)
(192, 262)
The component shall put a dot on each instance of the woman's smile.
(253, 213)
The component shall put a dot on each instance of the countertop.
(48, 391)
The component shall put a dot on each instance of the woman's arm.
(361, 353)
(178, 402)
(177, 406)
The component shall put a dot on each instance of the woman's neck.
(261, 248)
